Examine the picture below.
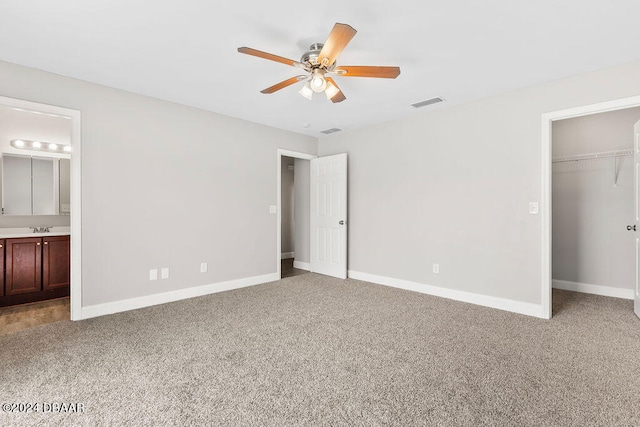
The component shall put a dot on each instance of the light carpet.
(312, 350)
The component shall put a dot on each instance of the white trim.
(483, 300)
(302, 265)
(76, 191)
(547, 119)
(296, 155)
(607, 291)
(287, 255)
(172, 296)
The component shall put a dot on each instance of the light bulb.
(36, 144)
(318, 83)
(18, 143)
(67, 148)
(53, 147)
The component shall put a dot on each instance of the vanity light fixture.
(24, 144)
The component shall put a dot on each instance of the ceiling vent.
(427, 102)
(332, 130)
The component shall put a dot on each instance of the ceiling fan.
(320, 62)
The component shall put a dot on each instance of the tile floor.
(19, 317)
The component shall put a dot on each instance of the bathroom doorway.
(45, 140)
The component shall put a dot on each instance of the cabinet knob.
(46, 243)
(38, 244)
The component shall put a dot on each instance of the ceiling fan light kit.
(319, 61)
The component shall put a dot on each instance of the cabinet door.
(23, 265)
(56, 262)
(1, 268)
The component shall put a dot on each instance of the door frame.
(546, 194)
(296, 155)
(76, 191)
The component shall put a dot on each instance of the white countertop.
(15, 233)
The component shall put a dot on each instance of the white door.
(636, 189)
(329, 215)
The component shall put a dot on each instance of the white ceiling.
(185, 51)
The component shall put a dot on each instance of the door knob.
(341, 222)
(631, 227)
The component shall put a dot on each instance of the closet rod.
(590, 156)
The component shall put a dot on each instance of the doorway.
(293, 213)
(549, 153)
(74, 204)
(294, 216)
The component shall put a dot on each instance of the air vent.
(332, 130)
(427, 102)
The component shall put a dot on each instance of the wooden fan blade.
(283, 84)
(364, 71)
(338, 97)
(339, 37)
(269, 56)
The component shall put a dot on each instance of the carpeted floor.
(311, 350)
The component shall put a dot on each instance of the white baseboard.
(302, 265)
(528, 309)
(177, 295)
(607, 291)
(287, 255)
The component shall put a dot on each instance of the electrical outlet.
(203, 267)
(436, 268)
(273, 209)
(153, 274)
(164, 273)
(533, 208)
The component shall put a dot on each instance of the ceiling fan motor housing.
(311, 57)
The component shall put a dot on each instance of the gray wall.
(452, 186)
(165, 185)
(287, 203)
(302, 212)
(590, 242)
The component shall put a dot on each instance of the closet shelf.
(590, 156)
(601, 155)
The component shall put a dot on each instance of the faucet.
(40, 229)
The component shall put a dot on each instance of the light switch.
(533, 208)
(153, 274)
(273, 209)
(164, 273)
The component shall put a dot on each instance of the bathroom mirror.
(33, 185)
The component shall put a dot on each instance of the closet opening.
(293, 207)
(591, 201)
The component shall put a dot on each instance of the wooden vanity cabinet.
(1, 267)
(35, 269)
(56, 260)
(23, 270)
